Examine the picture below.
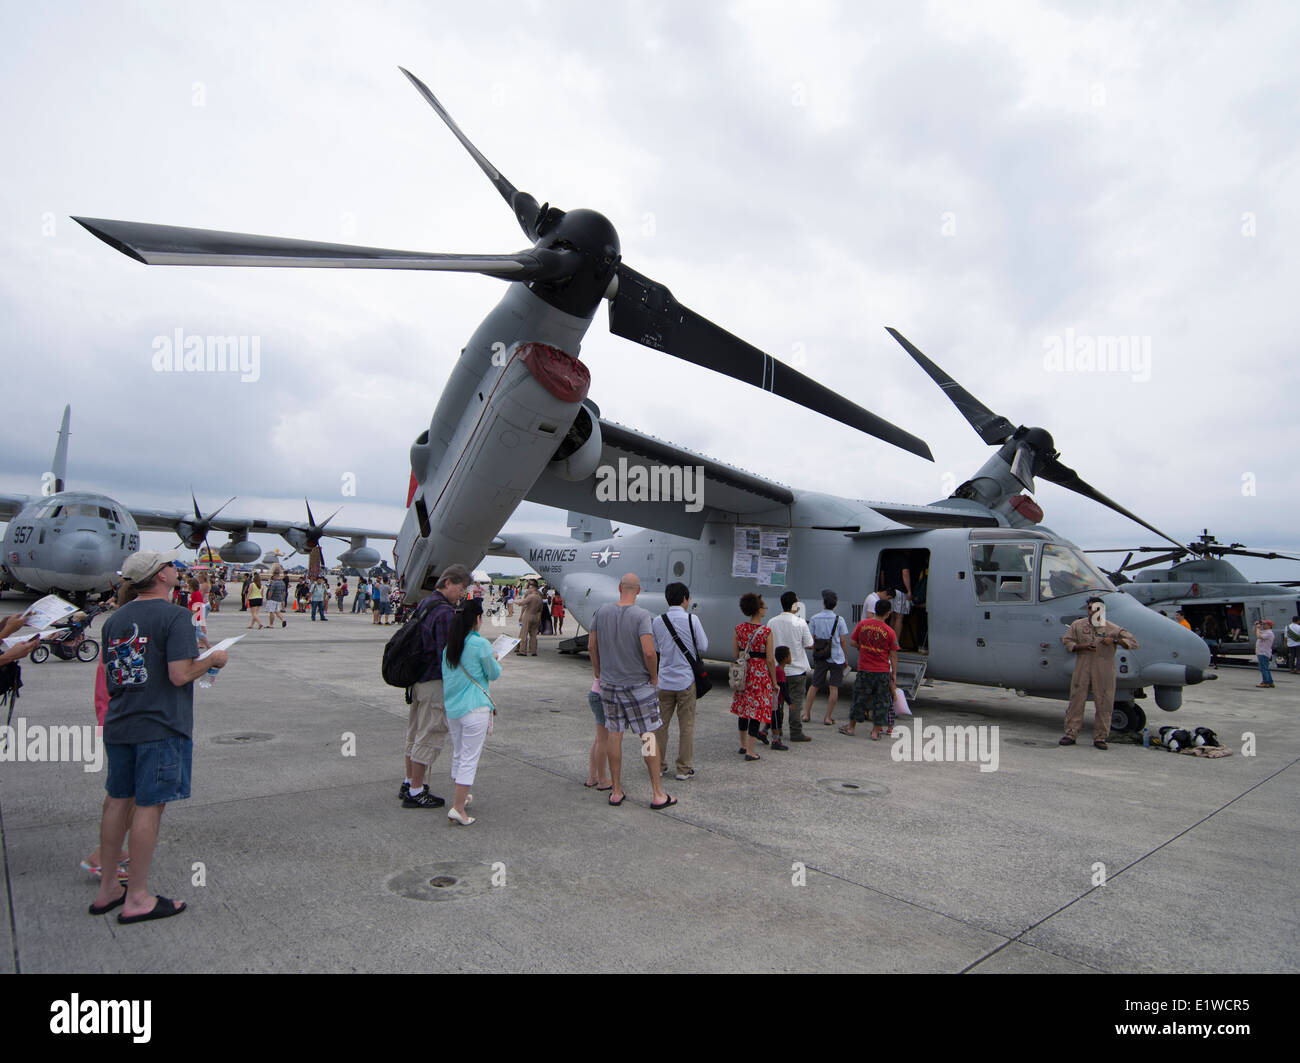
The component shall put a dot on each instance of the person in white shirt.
(869, 606)
(789, 630)
(1293, 644)
(677, 677)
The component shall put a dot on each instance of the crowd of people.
(647, 672)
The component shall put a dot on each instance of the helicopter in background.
(1219, 602)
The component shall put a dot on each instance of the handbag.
(703, 684)
(740, 666)
(824, 648)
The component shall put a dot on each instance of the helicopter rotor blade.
(175, 245)
(533, 219)
(1173, 555)
(1055, 472)
(1256, 553)
(644, 311)
(992, 427)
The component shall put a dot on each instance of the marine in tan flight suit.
(1093, 646)
(530, 621)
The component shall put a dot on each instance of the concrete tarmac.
(294, 853)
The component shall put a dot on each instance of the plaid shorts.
(634, 709)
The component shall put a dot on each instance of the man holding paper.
(150, 664)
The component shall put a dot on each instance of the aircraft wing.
(711, 489)
(11, 505)
(168, 519)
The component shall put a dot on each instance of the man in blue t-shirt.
(150, 664)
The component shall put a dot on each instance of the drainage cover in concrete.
(242, 737)
(854, 787)
(442, 882)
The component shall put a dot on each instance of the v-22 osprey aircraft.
(74, 542)
(514, 422)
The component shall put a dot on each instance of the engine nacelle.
(243, 552)
(297, 538)
(578, 455)
(360, 557)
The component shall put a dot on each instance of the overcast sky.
(998, 181)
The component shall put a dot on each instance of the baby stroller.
(72, 642)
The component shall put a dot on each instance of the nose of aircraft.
(81, 553)
(1169, 656)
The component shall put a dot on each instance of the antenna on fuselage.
(60, 467)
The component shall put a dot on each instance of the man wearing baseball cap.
(150, 665)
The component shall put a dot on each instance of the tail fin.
(60, 468)
(585, 528)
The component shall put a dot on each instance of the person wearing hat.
(1093, 640)
(150, 664)
(1264, 650)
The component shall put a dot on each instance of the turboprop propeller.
(574, 263)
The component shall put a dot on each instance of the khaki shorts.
(426, 728)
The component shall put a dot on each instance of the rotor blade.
(992, 427)
(527, 211)
(197, 514)
(1173, 555)
(213, 514)
(175, 245)
(645, 312)
(322, 524)
(1256, 553)
(1055, 472)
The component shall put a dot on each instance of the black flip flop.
(604, 789)
(164, 908)
(110, 905)
(619, 801)
(754, 757)
(667, 804)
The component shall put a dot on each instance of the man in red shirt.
(873, 690)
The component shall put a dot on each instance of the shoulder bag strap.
(694, 662)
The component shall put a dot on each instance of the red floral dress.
(754, 702)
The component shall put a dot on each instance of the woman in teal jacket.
(468, 666)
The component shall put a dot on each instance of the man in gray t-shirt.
(150, 662)
(622, 650)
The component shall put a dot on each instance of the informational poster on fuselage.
(761, 556)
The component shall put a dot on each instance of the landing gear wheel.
(1127, 718)
(88, 650)
(40, 654)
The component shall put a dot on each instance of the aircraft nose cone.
(81, 553)
(1170, 654)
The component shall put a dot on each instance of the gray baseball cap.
(144, 564)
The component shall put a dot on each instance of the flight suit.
(1094, 669)
(530, 619)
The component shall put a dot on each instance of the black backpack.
(404, 658)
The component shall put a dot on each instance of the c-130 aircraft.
(514, 423)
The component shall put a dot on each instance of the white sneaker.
(683, 776)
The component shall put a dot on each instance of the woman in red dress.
(753, 704)
(557, 613)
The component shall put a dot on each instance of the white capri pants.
(468, 733)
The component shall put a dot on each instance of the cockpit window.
(1003, 571)
(1065, 571)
